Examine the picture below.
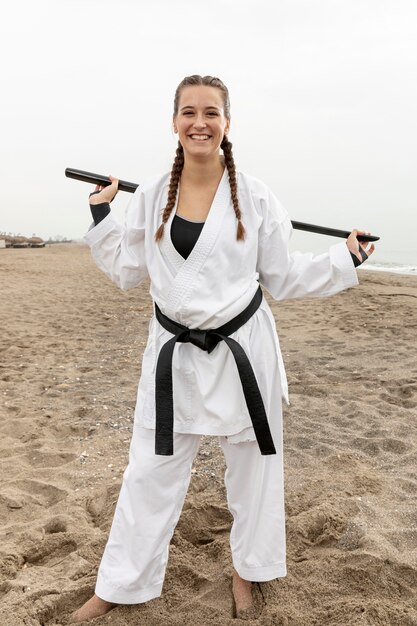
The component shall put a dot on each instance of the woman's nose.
(200, 122)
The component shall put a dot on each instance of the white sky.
(323, 96)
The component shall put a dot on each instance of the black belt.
(207, 340)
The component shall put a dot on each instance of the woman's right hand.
(103, 194)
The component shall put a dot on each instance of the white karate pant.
(154, 487)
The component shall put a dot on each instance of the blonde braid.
(231, 168)
(172, 191)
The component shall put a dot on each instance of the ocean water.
(384, 259)
(397, 268)
(397, 261)
(391, 254)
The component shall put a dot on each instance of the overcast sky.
(323, 96)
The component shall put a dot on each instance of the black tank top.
(184, 234)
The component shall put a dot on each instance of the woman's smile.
(201, 121)
(195, 137)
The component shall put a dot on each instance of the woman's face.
(200, 122)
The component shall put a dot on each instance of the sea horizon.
(397, 261)
(396, 268)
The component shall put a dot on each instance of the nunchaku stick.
(99, 179)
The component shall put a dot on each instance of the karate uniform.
(212, 286)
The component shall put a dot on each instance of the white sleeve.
(298, 275)
(119, 250)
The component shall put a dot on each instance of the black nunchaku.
(124, 185)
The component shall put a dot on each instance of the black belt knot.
(207, 340)
(203, 339)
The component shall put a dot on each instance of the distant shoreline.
(395, 268)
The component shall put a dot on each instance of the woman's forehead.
(202, 96)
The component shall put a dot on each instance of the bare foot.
(242, 593)
(248, 598)
(94, 607)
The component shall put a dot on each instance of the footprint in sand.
(309, 390)
(53, 548)
(35, 492)
(323, 360)
(322, 524)
(17, 506)
(377, 446)
(205, 596)
(45, 459)
(21, 428)
(396, 446)
(57, 524)
(404, 394)
(200, 526)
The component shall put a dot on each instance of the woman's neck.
(197, 172)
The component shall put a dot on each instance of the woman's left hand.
(356, 246)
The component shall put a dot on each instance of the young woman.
(207, 236)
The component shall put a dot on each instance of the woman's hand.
(103, 194)
(356, 246)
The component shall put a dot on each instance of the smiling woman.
(212, 364)
(202, 120)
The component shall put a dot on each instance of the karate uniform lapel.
(188, 269)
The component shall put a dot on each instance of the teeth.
(200, 137)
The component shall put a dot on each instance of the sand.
(71, 345)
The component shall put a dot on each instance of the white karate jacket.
(206, 290)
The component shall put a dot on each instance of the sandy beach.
(70, 354)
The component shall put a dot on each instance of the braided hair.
(172, 191)
(226, 146)
(178, 164)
